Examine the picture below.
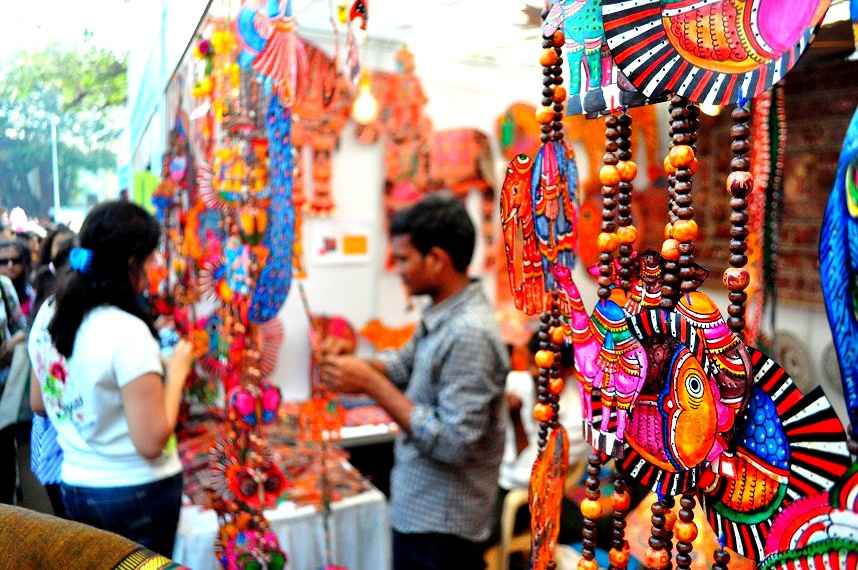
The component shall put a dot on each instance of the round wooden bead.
(627, 234)
(543, 413)
(548, 57)
(607, 242)
(670, 249)
(544, 358)
(681, 156)
(621, 501)
(618, 557)
(685, 531)
(591, 509)
(586, 564)
(657, 559)
(740, 184)
(628, 170)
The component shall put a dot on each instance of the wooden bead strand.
(670, 253)
(685, 532)
(550, 115)
(722, 559)
(619, 553)
(544, 412)
(591, 509)
(626, 231)
(669, 522)
(739, 184)
(609, 176)
(657, 556)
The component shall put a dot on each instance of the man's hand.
(348, 374)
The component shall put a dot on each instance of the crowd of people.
(89, 406)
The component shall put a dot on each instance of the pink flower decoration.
(58, 371)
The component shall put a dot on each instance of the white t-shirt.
(516, 467)
(83, 398)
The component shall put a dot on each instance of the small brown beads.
(589, 512)
(685, 532)
(546, 410)
(626, 231)
(679, 128)
(550, 115)
(739, 184)
(609, 176)
(619, 553)
(657, 556)
(722, 559)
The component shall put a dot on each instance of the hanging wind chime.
(670, 388)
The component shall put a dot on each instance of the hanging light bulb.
(711, 110)
(365, 107)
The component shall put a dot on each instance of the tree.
(86, 89)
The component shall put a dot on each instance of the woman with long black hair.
(101, 381)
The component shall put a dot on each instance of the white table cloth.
(360, 534)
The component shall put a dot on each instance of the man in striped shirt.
(444, 480)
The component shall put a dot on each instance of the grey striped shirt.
(446, 472)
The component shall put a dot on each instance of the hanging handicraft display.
(715, 52)
(669, 386)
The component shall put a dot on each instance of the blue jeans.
(147, 514)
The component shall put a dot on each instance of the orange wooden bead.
(668, 167)
(621, 501)
(556, 385)
(681, 156)
(669, 519)
(685, 230)
(559, 94)
(609, 175)
(591, 509)
(685, 531)
(545, 115)
(619, 558)
(584, 564)
(628, 169)
(656, 558)
(670, 249)
(558, 335)
(543, 412)
(544, 358)
(548, 57)
(668, 230)
(607, 242)
(627, 234)
(558, 38)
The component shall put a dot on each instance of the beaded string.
(609, 176)
(626, 231)
(685, 532)
(670, 247)
(621, 500)
(739, 184)
(549, 382)
(550, 115)
(657, 556)
(591, 509)
(722, 558)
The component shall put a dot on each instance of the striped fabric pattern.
(46, 457)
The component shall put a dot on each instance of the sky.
(33, 24)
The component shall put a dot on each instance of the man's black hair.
(438, 221)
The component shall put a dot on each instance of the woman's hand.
(180, 363)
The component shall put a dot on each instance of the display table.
(360, 534)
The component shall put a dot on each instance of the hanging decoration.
(838, 266)
(717, 52)
(670, 387)
(596, 85)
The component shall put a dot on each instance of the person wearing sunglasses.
(15, 263)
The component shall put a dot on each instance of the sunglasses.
(10, 261)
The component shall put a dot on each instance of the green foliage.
(86, 89)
